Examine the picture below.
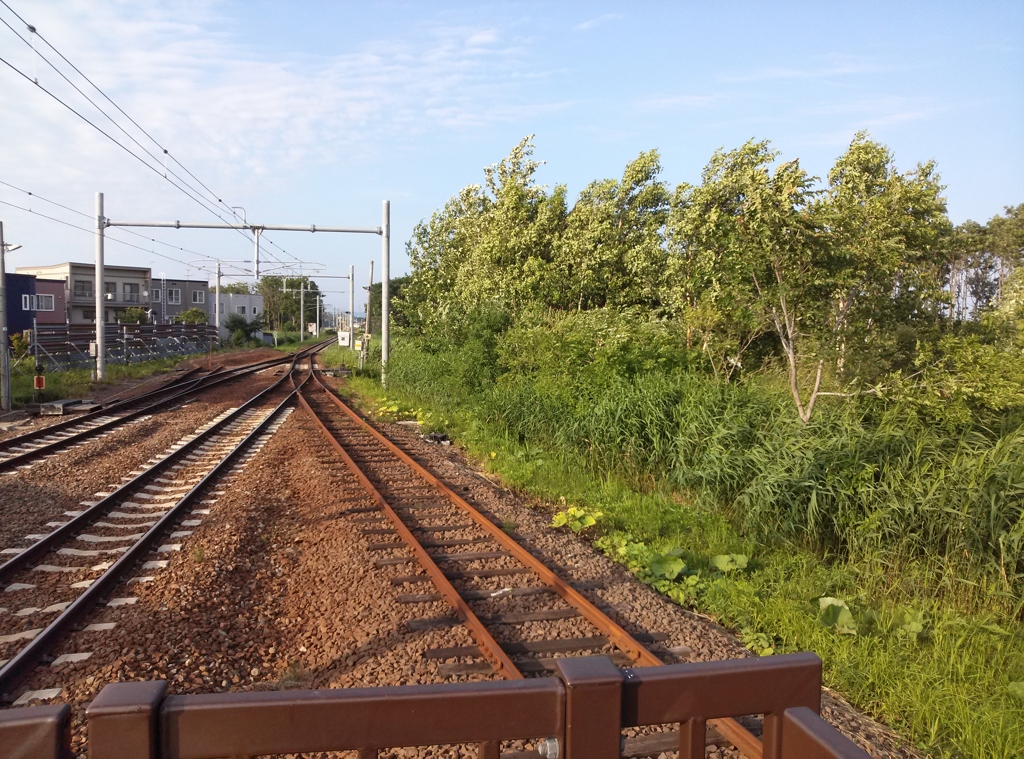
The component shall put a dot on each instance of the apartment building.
(169, 297)
(125, 286)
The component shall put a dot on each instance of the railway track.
(22, 450)
(520, 613)
(52, 585)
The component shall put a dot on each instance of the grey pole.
(351, 307)
(101, 343)
(5, 354)
(257, 231)
(216, 305)
(302, 308)
(319, 303)
(385, 291)
(369, 301)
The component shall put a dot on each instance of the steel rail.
(116, 404)
(39, 548)
(489, 647)
(33, 652)
(730, 728)
(192, 387)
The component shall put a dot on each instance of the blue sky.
(312, 112)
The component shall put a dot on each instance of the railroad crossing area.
(238, 562)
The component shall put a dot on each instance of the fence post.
(593, 707)
(123, 720)
(38, 732)
(805, 735)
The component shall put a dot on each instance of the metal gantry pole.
(351, 307)
(101, 342)
(216, 305)
(385, 291)
(319, 302)
(5, 351)
(256, 232)
(302, 308)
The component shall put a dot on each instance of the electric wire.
(166, 152)
(119, 229)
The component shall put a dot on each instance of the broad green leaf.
(667, 567)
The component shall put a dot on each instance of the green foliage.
(133, 315)
(241, 329)
(729, 562)
(236, 288)
(194, 316)
(641, 352)
(835, 614)
(576, 518)
(20, 345)
(282, 301)
(667, 566)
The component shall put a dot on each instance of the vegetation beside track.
(78, 383)
(932, 646)
(795, 405)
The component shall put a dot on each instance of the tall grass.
(861, 483)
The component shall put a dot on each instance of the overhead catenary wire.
(166, 153)
(93, 233)
(89, 216)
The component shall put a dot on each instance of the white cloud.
(233, 113)
(596, 21)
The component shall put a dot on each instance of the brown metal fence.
(579, 715)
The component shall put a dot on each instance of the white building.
(248, 305)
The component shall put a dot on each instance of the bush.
(193, 316)
(134, 315)
(238, 323)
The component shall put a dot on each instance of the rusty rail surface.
(578, 715)
(729, 728)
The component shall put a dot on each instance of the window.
(156, 295)
(240, 309)
(26, 303)
(174, 296)
(254, 310)
(83, 288)
(198, 296)
(131, 292)
(89, 314)
(110, 288)
(44, 302)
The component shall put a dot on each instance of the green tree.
(490, 245)
(885, 234)
(193, 316)
(236, 288)
(134, 315)
(238, 323)
(612, 251)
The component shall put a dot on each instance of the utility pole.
(5, 352)
(216, 305)
(319, 302)
(302, 308)
(369, 302)
(256, 232)
(385, 291)
(351, 307)
(101, 294)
